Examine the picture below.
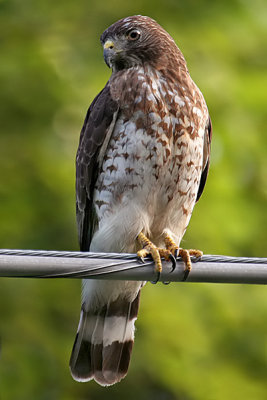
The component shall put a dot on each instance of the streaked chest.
(156, 144)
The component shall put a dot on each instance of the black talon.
(186, 273)
(166, 283)
(173, 260)
(157, 278)
(176, 251)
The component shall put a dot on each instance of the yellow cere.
(108, 44)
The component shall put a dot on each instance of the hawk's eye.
(134, 34)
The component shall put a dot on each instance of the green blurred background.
(193, 341)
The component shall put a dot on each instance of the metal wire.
(64, 264)
(123, 256)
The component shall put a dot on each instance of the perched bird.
(141, 165)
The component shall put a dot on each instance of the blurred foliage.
(193, 341)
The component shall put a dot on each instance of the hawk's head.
(135, 40)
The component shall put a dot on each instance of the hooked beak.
(109, 50)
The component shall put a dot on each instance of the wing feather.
(206, 158)
(95, 134)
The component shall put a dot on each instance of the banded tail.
(104, 341)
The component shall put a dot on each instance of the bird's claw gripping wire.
(171, 252)
(148, 248)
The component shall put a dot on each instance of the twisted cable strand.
(66, 264)
(125, 256)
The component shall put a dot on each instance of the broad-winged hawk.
(142, 164)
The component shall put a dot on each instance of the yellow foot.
(155, 252)
(171, 245)
(171, 252)
(185, 256)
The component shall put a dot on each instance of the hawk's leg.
(155, 252)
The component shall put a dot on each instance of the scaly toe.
(142, 254)
(154, 253)
(171, 245)
(185, 255)
(150, 249)
(195, 253)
